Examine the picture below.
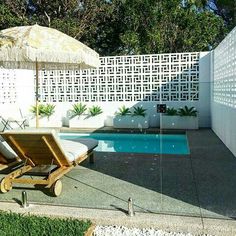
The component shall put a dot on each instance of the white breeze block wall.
(223, 106)
(174, 79)
(16, 91)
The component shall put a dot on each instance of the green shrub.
(95, 110)
(78, 109)
(186, 111)
(139, 111)
(171, 111)
(123, 111)
(44, 109)
(18, 224)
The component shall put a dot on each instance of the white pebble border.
(124, 231)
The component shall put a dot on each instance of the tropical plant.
(139, 111)
(95, 110)
(186, 111)
(123, 111)
(44, 110)
(78, 109)
(171, 111)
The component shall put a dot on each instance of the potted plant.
(83, 117)
(183, 118)
(122, 117)
(77, 114)
(46, 116)
(126, 119)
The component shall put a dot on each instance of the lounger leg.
(91, 158)
(6, 182)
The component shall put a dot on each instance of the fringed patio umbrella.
(36, 47)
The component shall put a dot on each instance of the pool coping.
(119, 130)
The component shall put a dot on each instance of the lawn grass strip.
(26, 224)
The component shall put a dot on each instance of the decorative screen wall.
(7, 86)
(224, 86)
(159, 77)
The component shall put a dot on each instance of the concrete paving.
(200, 185)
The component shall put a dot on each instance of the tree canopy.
(120, 27)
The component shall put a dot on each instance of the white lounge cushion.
(72, 149)
(7, 151)
(75, 148)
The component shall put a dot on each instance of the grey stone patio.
(201, 184)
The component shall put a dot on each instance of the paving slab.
(201, 184)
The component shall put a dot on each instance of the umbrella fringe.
(16, 58)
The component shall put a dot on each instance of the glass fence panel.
(182, 164)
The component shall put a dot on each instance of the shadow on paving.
(200, 183)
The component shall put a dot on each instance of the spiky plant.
(171, 111)
(40, 109)
(48, 110)
(187, 111)
(78, 109)
(95, 110)
(123, 111)
(139, 111)
(44, 109)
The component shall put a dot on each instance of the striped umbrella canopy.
(36, 47)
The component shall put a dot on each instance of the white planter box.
(128, 121)
(179, 122)
(52, 121)
(85, 121)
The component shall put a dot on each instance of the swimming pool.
(136, 143)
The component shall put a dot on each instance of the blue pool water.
(136, 143)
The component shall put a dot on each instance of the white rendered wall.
(223, 105)
(204, 90)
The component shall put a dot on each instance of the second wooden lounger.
(39, 148)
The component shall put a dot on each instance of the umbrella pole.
(37, 94)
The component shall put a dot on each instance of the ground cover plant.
(22, 225)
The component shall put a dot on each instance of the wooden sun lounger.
(8, 158)
(40, 148)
